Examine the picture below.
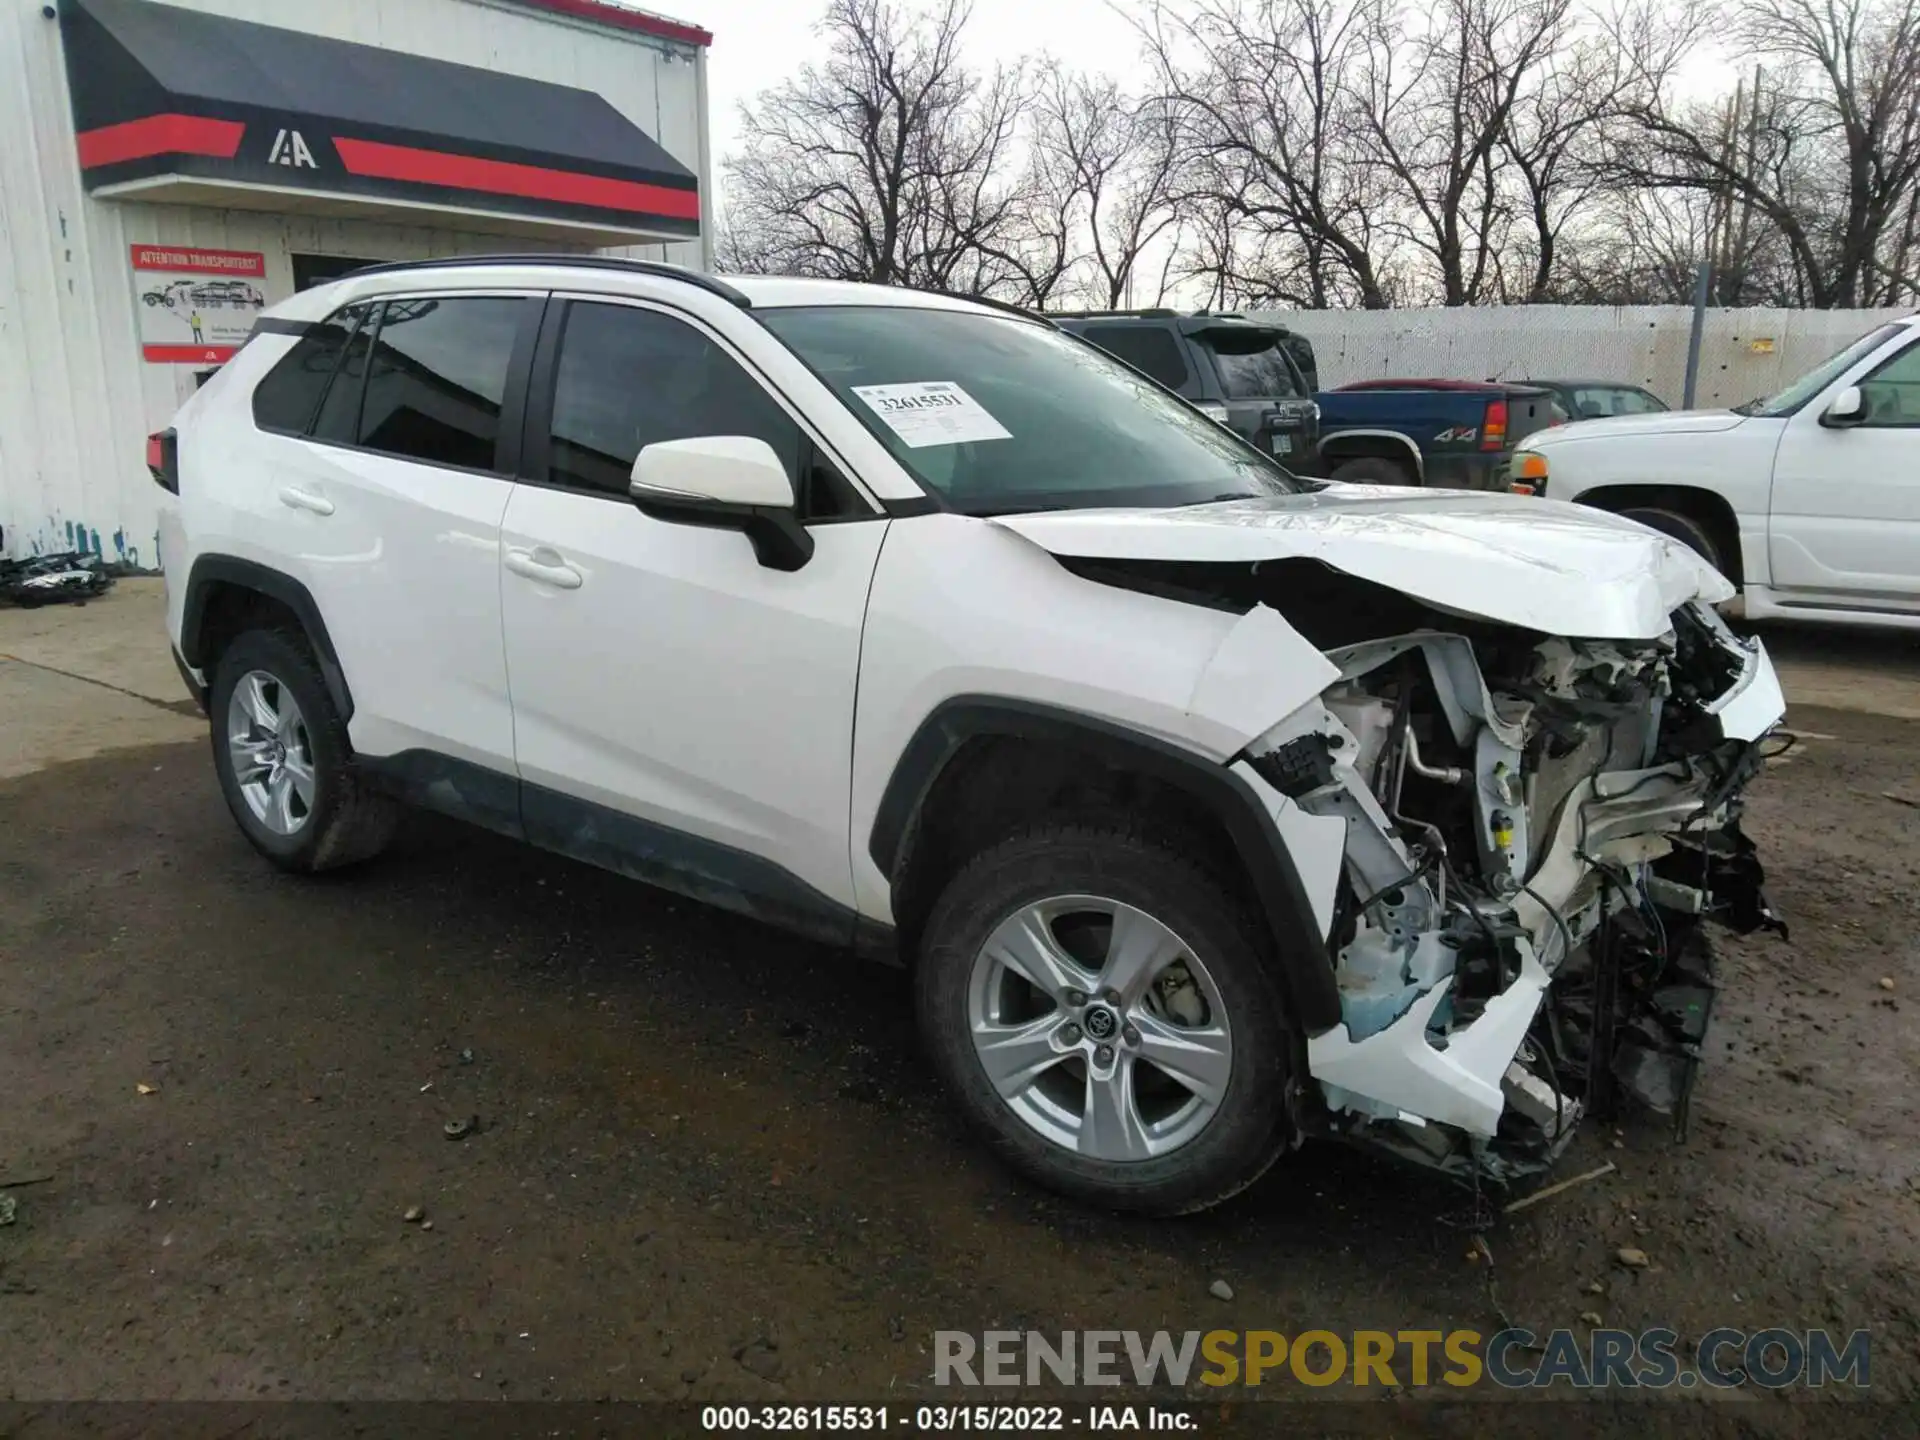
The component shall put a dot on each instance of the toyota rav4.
(1212, 808)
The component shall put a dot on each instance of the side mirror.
(1849, 407)
(733, 482)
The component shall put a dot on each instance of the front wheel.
(1102, 1010)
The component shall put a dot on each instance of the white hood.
(1666, 422)
(1558, 568)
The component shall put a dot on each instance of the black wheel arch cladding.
(1305, 968)
(211, 572)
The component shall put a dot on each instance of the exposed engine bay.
(1538, 832)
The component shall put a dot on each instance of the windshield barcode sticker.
(931, 412)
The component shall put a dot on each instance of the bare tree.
(887, 163)
(1441, 90)
(1267, 111)
(1555, 134)
(1104, 170)
(1834, 153)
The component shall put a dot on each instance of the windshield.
(1000, 415)
(1821, 376)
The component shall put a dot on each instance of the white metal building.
(168, 167)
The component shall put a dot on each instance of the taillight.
(1493, 430)
(163, 459)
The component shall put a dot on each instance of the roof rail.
(987, 300)
(659, 269)
(1152, 312)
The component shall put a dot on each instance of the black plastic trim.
(211, 570)
(928, 504)
(194, 687)
(690, 865)
(459, 788)
(278, 325)
(513, 404)
(543, 374)
(1306, 968)
(779, 540)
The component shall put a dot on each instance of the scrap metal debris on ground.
(67, 578)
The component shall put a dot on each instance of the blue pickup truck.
(1448, 434)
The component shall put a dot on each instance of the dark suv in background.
(1244, 373)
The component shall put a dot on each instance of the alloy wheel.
(1100, 1028)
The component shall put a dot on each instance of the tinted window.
(1035, 419)
(438, 377)
(289, 393)
(1150, 349)
(339, 417)
(1892, 392)
(630, 378)
(1262, 375)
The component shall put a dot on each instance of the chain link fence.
(1743, 353)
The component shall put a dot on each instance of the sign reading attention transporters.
(196, 307)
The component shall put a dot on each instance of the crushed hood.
(1549, 566)
(1665, 422)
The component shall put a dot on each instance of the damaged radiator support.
(1538, 834)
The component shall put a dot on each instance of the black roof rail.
(987, 300)
(1154, 312)
(661, 270)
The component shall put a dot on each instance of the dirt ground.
(707, 1162)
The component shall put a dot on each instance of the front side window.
(437, 379)
(1001, 415)
(1821, 376)
(1892, 392)
(1150, 349)
(628, 378)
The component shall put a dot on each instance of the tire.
(1374, 470)
(1206, 1157)
(337, 819)
(1684, 528)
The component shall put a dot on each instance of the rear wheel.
(1374, 470)
(280, 750)
(1681, 527)
(1100, 1008)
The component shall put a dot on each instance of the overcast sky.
(759, 43)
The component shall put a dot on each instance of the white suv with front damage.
(1212, 808)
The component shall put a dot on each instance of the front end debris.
(1540, 834)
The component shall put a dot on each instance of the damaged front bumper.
(1535, 834)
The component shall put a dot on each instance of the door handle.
(546, 566)
(305, 500)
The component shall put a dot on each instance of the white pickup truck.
(1808, 501)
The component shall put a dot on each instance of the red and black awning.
(165, 96)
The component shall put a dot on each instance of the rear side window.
(1151, 349)
(289, 394)
(1262, 375)
(437, 379)
(1599, 401)
(339, 417)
